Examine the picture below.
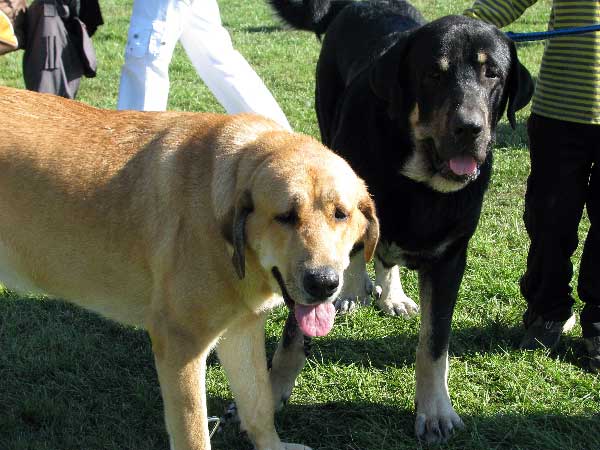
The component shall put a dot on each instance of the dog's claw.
(357, 288)
(347, 305)
(378, 291)
(436, 429)
(405, 307)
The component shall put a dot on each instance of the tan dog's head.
(301, 212)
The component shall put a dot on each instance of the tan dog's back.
(92, 193)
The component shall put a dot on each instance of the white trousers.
(155, 28)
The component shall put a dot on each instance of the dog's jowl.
(413, 106)
(190, 225)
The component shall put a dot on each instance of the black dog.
(413, 106)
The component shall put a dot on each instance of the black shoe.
(592, 345)
(545, 333)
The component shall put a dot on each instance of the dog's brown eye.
(288, 218)
(340, 214)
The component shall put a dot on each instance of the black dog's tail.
(309, 15)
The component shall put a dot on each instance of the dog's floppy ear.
(384, 76)
(243, 207)
(367, 207)
(519, 86)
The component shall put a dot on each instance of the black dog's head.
(453, 78)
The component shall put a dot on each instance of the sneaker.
(545, 333)
(592, 345)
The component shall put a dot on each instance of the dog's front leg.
(288, 361)
(390, 296)
(181, 366)
(242, 354)
(357, 287)
(438, 286)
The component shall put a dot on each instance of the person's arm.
(498, 12)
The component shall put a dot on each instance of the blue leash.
(541, 35)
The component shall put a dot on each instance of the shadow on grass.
(52, 327)
(71, 380)
(265, 29)
(398, 348)
(384, 427)
(260, 28)
(399, 351)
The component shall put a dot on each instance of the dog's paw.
(436, 424)
(356, 291)
(286, 446)
(396, 305)
(347, 305)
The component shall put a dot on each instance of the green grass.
(70, 380)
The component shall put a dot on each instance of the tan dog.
(190, 225)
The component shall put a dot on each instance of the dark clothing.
(51, 62)
(58, 48)
(90, 15)
(565, 177)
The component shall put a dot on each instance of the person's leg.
(227, 74)
(556, 193)
(589, 270)
(154, 29)
(589, 282)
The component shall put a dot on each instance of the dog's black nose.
(468, 127)
(321, 282)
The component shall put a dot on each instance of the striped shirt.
(568, 86)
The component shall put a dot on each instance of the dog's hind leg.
(438, 285)
(358, 287)
(288, 361)
(242, 354)
(389, 295)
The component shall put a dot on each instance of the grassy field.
(70, 380)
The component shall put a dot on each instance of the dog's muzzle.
(315, 319)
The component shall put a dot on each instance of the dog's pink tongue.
(463, 165)
(315, 320)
